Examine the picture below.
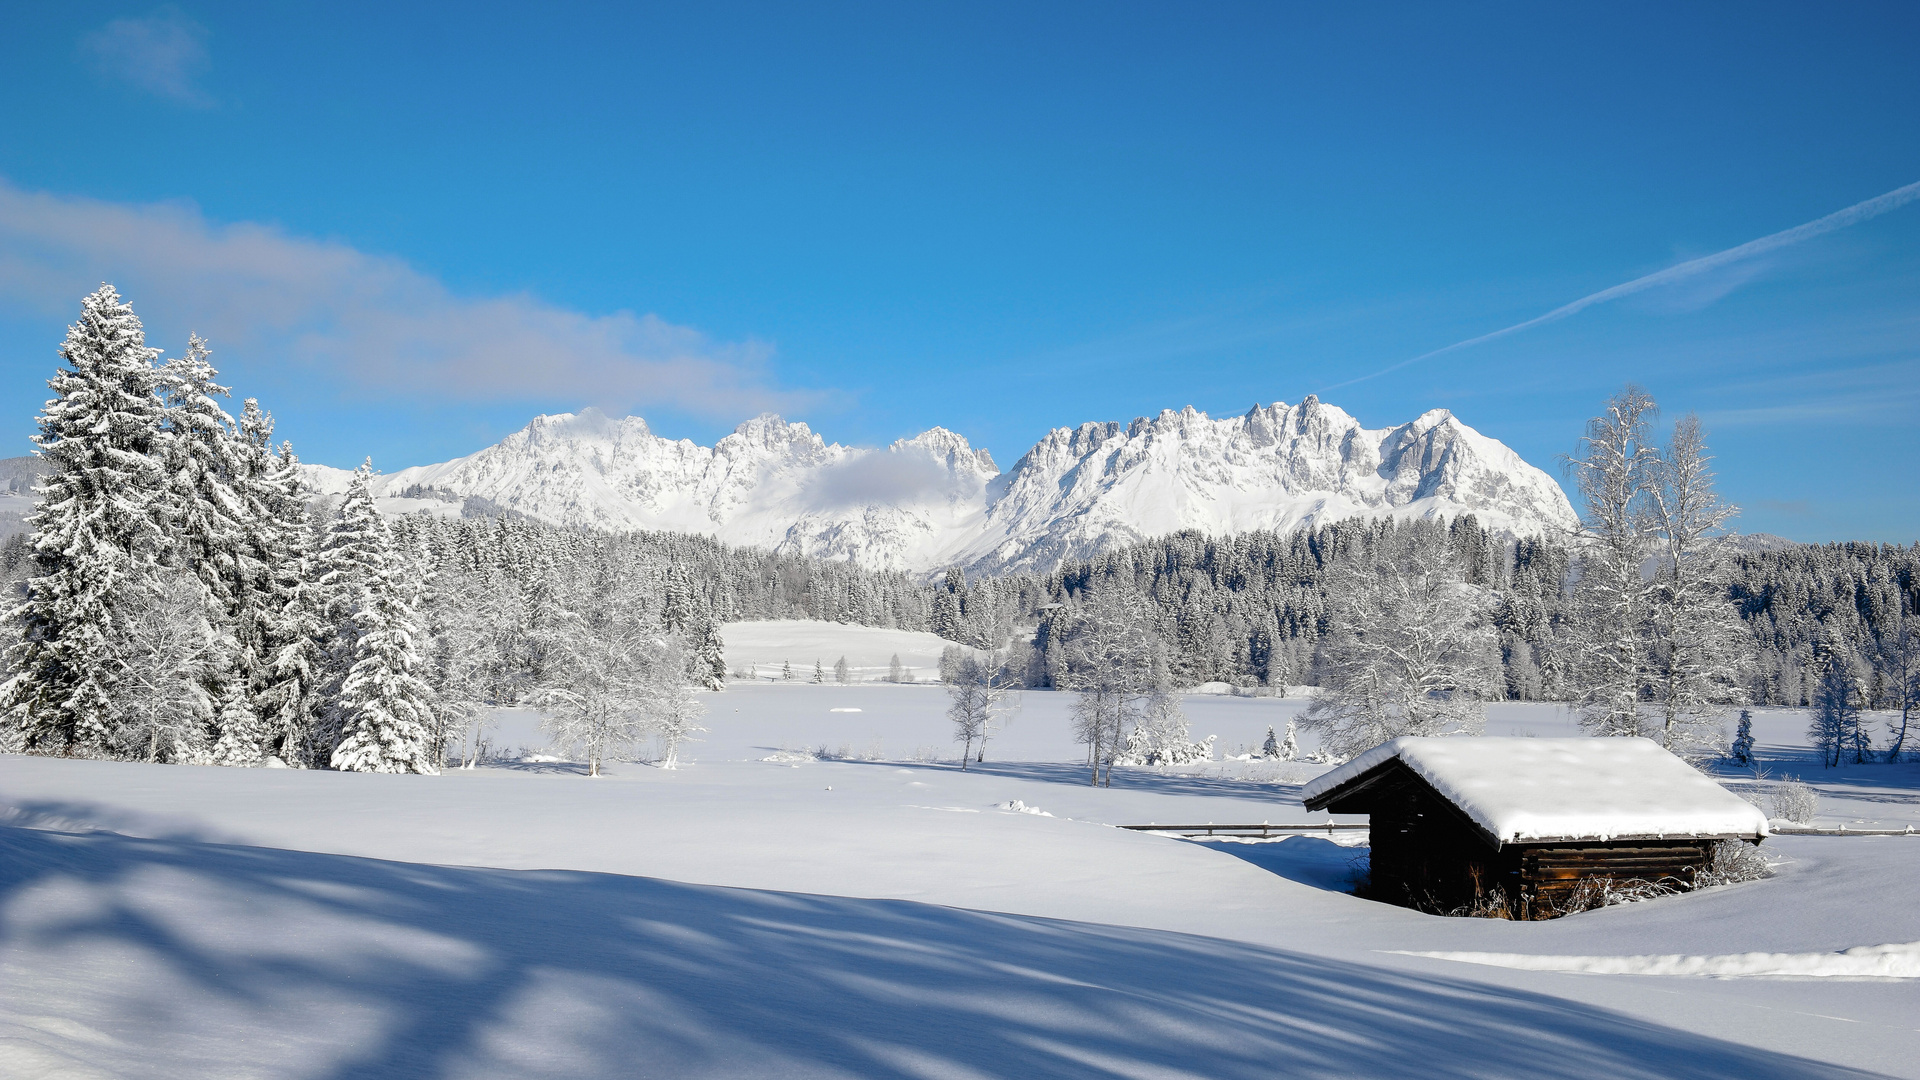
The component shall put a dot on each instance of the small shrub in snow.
(1161, 736)
(1795, 801)
(1733, 861)
(927, 755)
(847, 752)
(1599, 892)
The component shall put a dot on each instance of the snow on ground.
(895, 918)
(762, 647)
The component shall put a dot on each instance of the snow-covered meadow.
(766, 910)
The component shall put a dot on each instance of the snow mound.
(1563, 789)
(1862, 962)
(1018, 807)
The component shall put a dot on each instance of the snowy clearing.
(763, 647)
(891, 917)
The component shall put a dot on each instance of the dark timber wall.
(1426, 853)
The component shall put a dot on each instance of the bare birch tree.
(1110, 650)
(601, 681)
(1613, 600)
(1411, 651)
(675, 710)
(1699, 649)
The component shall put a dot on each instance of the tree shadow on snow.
(196, 959)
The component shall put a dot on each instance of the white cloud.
(371, 320)
(895, 476)
(164, 53)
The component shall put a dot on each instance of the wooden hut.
(1474, 823)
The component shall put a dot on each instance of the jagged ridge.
(934, 501)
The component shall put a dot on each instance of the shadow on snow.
(477, 972)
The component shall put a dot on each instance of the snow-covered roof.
(1563, 789)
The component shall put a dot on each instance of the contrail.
(1839, 219)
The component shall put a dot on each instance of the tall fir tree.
(383, 711)
(98, 532)
(207, 515)
(294, 633)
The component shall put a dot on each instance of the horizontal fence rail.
(1261, 829)
(1266, 830)
(1844, 831)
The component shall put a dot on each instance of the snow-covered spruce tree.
(709, 659)
(160, 652)
(819, 674)
(895, 673)
(1741, 753)
(786, 671)
(675, 710)
(1612, 599)
(296, 637)
(1290, 746)
(384, 711)
(842, 674)
(1896, 658)
(207, 514)
(1410, 650)
(1271, 748)
(1836, 728)
(242, 734)
(97, 531)
(1700, 652)
(269, 560)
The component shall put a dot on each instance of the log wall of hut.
(1426, 853)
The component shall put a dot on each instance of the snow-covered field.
(765, 911)
(761, 648)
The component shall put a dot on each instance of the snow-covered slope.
(934, 501)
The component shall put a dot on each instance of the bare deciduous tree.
(1700, 649)
(159, 650)
(1613, 600)
(1411, 651)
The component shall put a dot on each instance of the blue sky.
(407, 228)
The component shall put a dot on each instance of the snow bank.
(1564, 789)
(1863, 962)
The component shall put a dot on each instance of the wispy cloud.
(1878, 393)
(371, 319)
(164, 53)
(1684, 272)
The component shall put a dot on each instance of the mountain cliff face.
(933, 501)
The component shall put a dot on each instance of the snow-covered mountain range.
(933, 501)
